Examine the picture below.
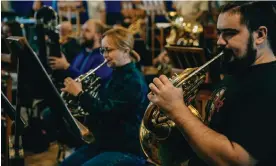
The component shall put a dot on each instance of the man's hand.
(71, 86)
(59, 63)
(165, 95)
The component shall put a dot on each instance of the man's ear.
(261, 35)
(127, 50)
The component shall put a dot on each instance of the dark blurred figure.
(88, 58)
(11, 28)
(8, 29)
(36, 6)
(113, 13)
(69, 45)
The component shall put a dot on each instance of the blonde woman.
(116, 117)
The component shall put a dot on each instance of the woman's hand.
(71, 86)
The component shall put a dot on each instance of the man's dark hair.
(255, 14)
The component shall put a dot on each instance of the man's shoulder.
(266, 75)
(72, 43)
(96, 52)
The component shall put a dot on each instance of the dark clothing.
(81, 64)
(113, 6)
(243, 109)
(113, 13)
(140, 48)
(115, 119)
(31, 14)
(85, 157)
(70, 49)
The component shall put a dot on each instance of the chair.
(61, 152)
(70, 8)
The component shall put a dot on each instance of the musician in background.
(9, 60)
(69, 45)
(36, 6)
(116, 117)
(191, 10)
(89, 57)
(11, 28)
(96, 10)
(161, 58)
(241, 113)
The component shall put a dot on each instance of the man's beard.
(88, 43)
(233, 65)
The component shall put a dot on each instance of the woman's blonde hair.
(123, 39)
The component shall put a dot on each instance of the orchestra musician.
(242, 109)
(89, 57)
(116, 117)
(69, 45)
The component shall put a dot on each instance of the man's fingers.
(52, 58)
(158, 83)
(52, 63)
(153, 88)
(152, 98)
(53, 67)
(68, 79)
(164, 80)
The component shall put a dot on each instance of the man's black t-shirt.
(243, 108)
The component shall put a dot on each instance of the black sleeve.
(117, 103)
(252, 124)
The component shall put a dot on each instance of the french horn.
(159, 135)
(91, 84)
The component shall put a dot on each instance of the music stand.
(21, 125)
(34, 81)
(8, 60)
(186, 57)
(10, 110)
